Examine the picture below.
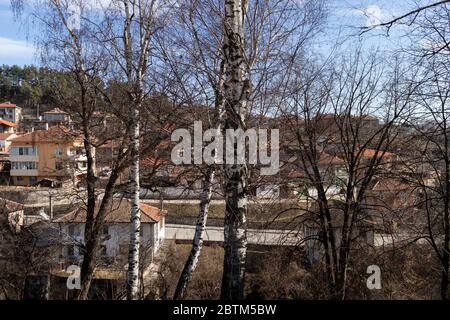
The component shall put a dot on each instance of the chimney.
(50, 200)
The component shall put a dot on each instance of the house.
(56, 116)
(5, 165)
(55, 154)
(116, 232)
(12, 215)
(5, 142)
(23, 258)
(332, 170)
(388, 159)
(7, 126)
(10, 112)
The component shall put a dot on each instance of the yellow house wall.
(46, 161)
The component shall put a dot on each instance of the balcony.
(23, 158)
(24, 173)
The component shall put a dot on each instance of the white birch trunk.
(135, 86)
(236, 96)
(135, 220)
(191, 263)
(205, 200)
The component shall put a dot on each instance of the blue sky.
(14, 47)
(345, 17)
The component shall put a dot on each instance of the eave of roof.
(8, 123)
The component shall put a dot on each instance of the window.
(71, 230)
(59, 166)
(24, 165)
(33, 180)
(105, 237)
(80, 152)
(82, 165)
(24, 151)
(105, 231)
(70, 250)
(58, 151)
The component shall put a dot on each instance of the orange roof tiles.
(53, 134)
(370, 153)
(5, 135)
(8, 123)
(328, 159)
(390, 185)
(7, 105)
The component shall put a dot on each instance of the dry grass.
(283, 273)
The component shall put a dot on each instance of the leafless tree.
(409, 18)
(336, 114)
(276, 33)
(429, 164)
(73, 49)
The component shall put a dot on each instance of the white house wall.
(119, 234)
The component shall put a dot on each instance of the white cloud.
(10, 48)
(374, 15)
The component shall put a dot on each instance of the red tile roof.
(151, 162)
(7, 123)
(296, 174)
(118, 212)
(55, 111)
(53, 134)
(370, 153)
(328, 159)
(5, 135)
(390, 185)
(7, 105)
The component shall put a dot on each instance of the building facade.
(54, 154)
(56, 116)
(115, 233)
(10, 112)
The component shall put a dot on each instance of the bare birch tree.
(66, 46)
(128, 33)
(276, 32)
